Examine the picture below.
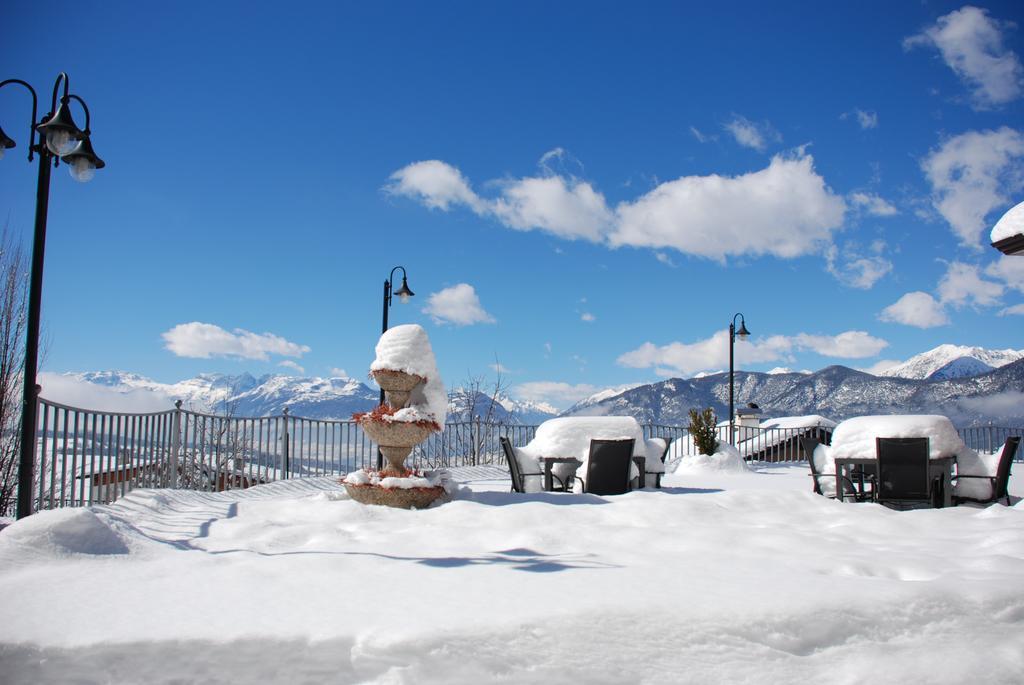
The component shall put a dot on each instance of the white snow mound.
(726, 459)
(407, 348)
(63, 532)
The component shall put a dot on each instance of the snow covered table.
(853, 443)
(571, 436)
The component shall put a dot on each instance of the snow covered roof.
(809, 421)
(1008, 233)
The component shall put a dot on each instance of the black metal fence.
(91, 457)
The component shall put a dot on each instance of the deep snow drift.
(719, 577)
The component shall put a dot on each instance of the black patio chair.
(1000, 482)
(849, 490)
(664, 453)
(608, 467)
(903, 478)
(518, 477)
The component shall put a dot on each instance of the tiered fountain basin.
(395, 485)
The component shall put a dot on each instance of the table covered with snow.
(571, 436)
(855, 437)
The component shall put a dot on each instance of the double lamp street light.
(59, 140)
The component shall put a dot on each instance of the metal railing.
(990, 438)
(88, 457)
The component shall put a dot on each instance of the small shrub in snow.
(703, 428)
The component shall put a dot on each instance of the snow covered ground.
(719, 577)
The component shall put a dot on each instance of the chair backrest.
(999, 491)
(902, 468)
(608, 466)
(809, 445)
(514, 472)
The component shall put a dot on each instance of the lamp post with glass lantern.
(742, 334)
(59, 140)
(404, 293)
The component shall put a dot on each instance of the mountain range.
(953, 361)
(971, 385)
(315, 398)
(837, 392)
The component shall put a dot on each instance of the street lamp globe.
(404, 293)
(60, 131)
(83, 162)
(60, 141)
(743, 333)
(5, 143)
(82, 170)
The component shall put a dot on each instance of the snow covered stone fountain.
(416, 406)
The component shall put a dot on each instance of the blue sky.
(586, 192)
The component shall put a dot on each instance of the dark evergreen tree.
(704, 430)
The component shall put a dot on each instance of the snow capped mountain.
(245, 395)
(319, 398)
(465, 405)
(527, 411)
(580, 408)
(837, 392)
(953, 361)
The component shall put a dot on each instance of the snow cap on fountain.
(407, 348)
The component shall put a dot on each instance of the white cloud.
(749, 134)
(701, 137)
(458, 305)
(713, 352)
(854, 269)
(587, 316)
(873, 204)
(664, 259)
(915, 309)
(289, 364)
(1017, 309)
(973, 173)
(434, 183)
(784, 210)
(1010, 270)
(848, 345)
(555, 392)
(205, 340)
(880, 366)
(337, 372)
(962, 285)
(866, 119)
(971, 44)
(566, 207)
(79, 393)
(1006, 403)
(498, 367)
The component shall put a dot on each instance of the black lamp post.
(742, 334)
(60, 139)
(404, 293)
